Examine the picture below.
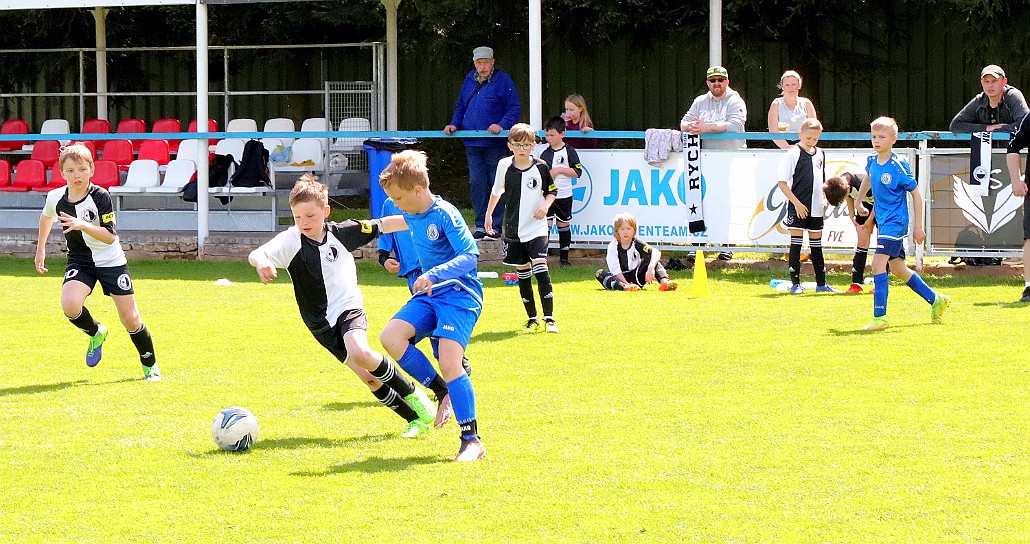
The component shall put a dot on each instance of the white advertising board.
(742, 204)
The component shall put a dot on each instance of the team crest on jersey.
(332, 254)
(71, 274)
(885, 178)
(433, 232)
(560, 160)
(124, 282)
(89, 215)
(533, 182)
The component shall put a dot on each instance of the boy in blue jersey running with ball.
(448, 295)
(890, 177)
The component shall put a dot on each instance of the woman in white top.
(788, 111)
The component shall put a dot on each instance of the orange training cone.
(700, 283)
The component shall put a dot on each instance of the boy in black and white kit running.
(564, 163)
(317, 254)
(95, 254)
(531, 191)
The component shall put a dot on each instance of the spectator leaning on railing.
(999, 107)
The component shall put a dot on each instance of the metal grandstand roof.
(47, 4)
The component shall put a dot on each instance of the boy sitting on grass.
(632, 263)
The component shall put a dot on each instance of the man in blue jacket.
(488, 101)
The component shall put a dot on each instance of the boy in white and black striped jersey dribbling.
(86, 214)
(317, 254)
(531, 191)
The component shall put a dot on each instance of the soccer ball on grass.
(234, 429)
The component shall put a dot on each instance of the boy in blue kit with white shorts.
(531, 191)
(448, 295)
(890, 177)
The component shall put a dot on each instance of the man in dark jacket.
(487, 101)
(999, 107)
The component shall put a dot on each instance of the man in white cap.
(999, 107)
(487, 101)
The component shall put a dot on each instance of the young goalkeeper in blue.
(890, 178)
(448, 295)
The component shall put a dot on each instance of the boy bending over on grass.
(317, 255)
(890, 178)
(448, 294)
(864, 220)
(632, 263)
(397, 255)
(86, 214)
(531, 191)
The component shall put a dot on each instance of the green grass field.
(747, 416)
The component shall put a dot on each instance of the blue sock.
(921, 288)
(463, 401)
(880, 283)
(416, 364)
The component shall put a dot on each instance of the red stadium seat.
(106, 174)
(130, 126)
(14, 126)
(168, 125)
(47, 152)
(56, 180)
(119, 151)
(212, 126)
(29, 173)
(155, 150)
(5, 173)
(97, 126)
(90, 145)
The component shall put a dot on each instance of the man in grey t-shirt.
(721, 109)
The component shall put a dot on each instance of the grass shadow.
(996, 304)
(377, 464)
(298, 442)
(40, 388)
(494, 336)
(347, 406)
(860, 332)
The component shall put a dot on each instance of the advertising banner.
(742, 205)
(960, 218)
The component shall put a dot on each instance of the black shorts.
(561, 210)
(331, 337)
(861, 219)
(518, 253)
(1026, 218)
(811, 224)
(114, 280)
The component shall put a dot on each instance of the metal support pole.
(100, 14)
(202, 126)
(391, 63)
(715, 32)
(536, 94)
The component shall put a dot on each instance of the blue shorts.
(893, 249)
(444, 315)
(411, 276)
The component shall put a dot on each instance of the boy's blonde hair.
(406, 171)
(579, 102)
(811, 123)
(624, 218)
(76, 152)
(521, 133)
(884, 123)
(309, 189)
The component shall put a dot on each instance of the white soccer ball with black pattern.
(235, 429)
